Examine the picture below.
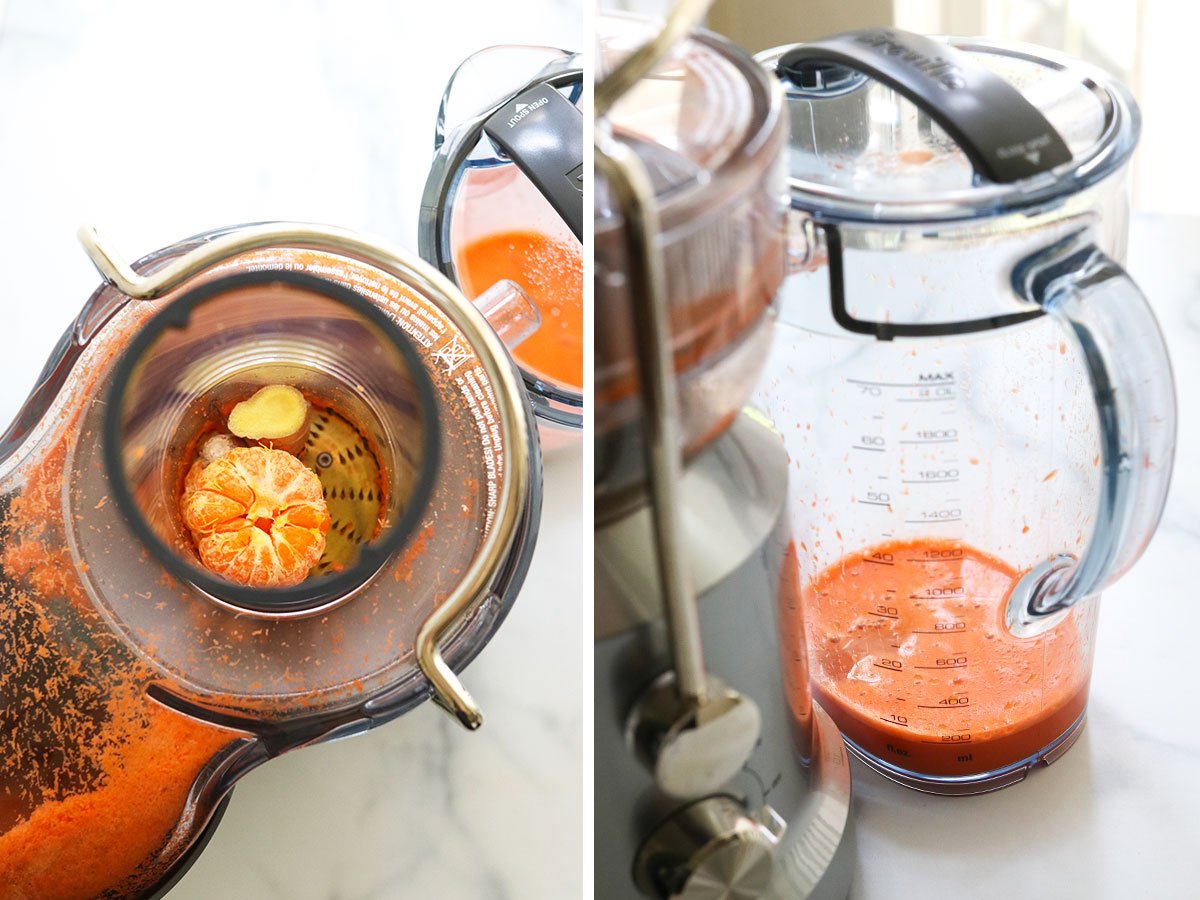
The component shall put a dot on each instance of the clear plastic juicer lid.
(708, 129)
(152, 686)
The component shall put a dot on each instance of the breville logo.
(524, 109)
(1030, 149)
(937, 68)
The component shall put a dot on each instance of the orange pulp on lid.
(258, 516)
(551, 273)
(911, 657)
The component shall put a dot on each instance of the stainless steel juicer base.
(816, 859)
(735, 516)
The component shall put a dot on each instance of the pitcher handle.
(1114, 328)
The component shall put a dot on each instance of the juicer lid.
(435, 601)
(690, 127)
(509, 160)
(702, 119)
(892, 126)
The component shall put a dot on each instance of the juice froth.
(911, 657)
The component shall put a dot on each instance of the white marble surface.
(1116, 817)
(159, 120)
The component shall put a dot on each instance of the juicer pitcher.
(975, 397)
(187, 590)
(504, 200)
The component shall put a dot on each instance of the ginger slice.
(276, 416)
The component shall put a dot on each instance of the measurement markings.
(897, 384)
(929, 481)
(872, 449)
(925, 399)
(952, 440)
(930, 521)
(955, 666)
(878, 562)
(946, 706)
(884, 616)
(947, 743)
(893, 722)
(876, 503)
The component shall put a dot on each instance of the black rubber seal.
(1005, 136)
(314, 592)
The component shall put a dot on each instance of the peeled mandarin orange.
(258, 516)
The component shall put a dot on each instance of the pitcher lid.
(891, 126)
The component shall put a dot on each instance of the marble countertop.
(1116, 816)
(160, 120)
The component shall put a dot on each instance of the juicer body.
(144, 675)
(715, 774)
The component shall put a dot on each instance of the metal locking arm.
(692, 731)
